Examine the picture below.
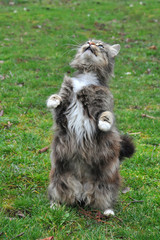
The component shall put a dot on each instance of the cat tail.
(127, 148)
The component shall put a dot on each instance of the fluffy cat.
(87, 148)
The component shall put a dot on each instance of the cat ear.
(115, 50)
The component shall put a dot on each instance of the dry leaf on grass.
(49, 238)
(153, 47)
(1, 113)
(125, 190)
(43, 150)
(20, 214)
(2, 77)
(147, 116)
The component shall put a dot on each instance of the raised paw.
(54, 101)
(105, 121)
(108, 212)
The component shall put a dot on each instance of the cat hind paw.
(109, 212)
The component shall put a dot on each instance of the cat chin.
(89, 52)
(90, 59)
(89, 55)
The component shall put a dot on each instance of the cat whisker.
(74, 45)
(68, 51)
(79, 44)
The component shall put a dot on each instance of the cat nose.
(91, 43)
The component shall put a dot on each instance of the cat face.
(95, 54)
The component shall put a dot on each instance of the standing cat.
(87, 147)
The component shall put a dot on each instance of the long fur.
(87, 147)
(127, 147)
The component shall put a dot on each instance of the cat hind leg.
(104, 198)
(64, 189)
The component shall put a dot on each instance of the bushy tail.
(127, 147)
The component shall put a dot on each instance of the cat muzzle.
(90, 49)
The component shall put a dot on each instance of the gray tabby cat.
(87, 147)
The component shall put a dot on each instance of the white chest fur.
(79, 123)
(84, 80)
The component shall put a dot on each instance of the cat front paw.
(105, 121)
(104, 126)
(54, 101)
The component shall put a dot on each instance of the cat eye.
(100, 46)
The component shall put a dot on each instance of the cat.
(87, 148)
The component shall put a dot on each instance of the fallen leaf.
(100, 26)
(129, 40)
(142, 3)
(122, 34)
(20, 84)
(43, 150)
(37, 26)
(148, 71)
(147, 116)
(127, 46)
(128, 73)
(94, 214)
(10, 218)
(125, 190)
(2, 77)
(19, 60)
(8, 125)
(11, 3)
(49, 238)
(134, 133)
(153, 47)
(20, 214)
(1, 113)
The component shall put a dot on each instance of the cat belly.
(79, 124)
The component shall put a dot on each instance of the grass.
(36, 41)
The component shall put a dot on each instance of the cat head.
(96, 56)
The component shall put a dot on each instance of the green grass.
(35, 55)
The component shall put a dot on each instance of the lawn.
(38, 40)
